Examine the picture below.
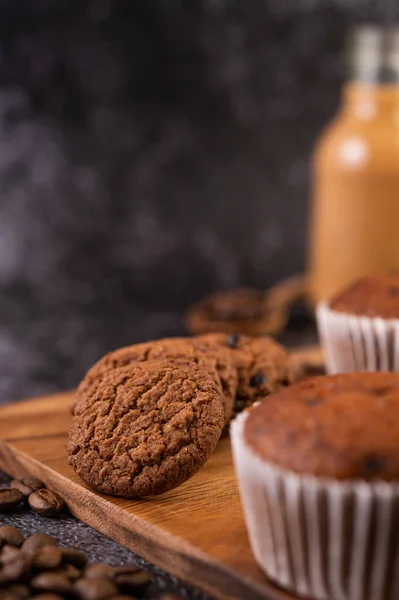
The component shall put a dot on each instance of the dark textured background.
(150, 151)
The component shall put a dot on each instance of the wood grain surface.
(195, 532)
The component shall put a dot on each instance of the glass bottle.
(355, 211)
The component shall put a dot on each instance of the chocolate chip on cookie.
(207, 354)
(145, 428)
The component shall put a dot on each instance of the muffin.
(318, 470)
(359, 327)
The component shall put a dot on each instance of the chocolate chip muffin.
(344, 426)
(358, 327)
(145, 428)
(372, 296)
(207, 354)
(263, 366)
(319, 461)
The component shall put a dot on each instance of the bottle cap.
(373, 54)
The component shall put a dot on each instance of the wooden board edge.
(153, 544)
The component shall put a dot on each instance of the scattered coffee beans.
(72, 572)
(18, 592)
(8, 554)
(40, 499)
(37, 568)
(27, 485)
(46, 503)
(77, 558)
(98, 571)
(48, 597)
(36, 541)
(15, 570)
(56, 583)
(48, 557)
(11, 536)
(96, 589)
(133, 582)
(9, 498)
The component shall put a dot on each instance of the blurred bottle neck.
(372, 91)
(373, 56)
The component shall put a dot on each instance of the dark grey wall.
(149, 153)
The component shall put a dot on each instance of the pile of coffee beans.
(36, 567)
(32, 492)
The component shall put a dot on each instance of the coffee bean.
(19, 590)
(134, 581)
(257, 380)
(46, 503)
(74, 557)
(27, 485)
(52, 582)
(47, 558)
(98, 571)
(232, 340)
(15, 570)
(95, 589)
(9, 498)
(8, 594)
(11, 535)
(126, 570)
(72, 572)
(8, 554)
(48, 596)
(169, 596)
(36, 541)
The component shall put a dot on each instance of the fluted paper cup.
(317, 537)
(353, 343)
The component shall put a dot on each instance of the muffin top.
(342, 426)
(372, 296)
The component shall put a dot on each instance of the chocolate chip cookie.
(263, 366)
(145, 428)
(207, 354)
(243, 310)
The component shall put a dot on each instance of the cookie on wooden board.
(206, 353)
(243, 310)
(145, 428)
(263, 366)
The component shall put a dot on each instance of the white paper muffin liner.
(351, 343)
(319, 538)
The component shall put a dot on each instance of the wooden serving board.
(196, 532)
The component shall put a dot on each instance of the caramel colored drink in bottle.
(355, 212)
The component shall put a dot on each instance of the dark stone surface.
(149, 153)
(73, 533)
